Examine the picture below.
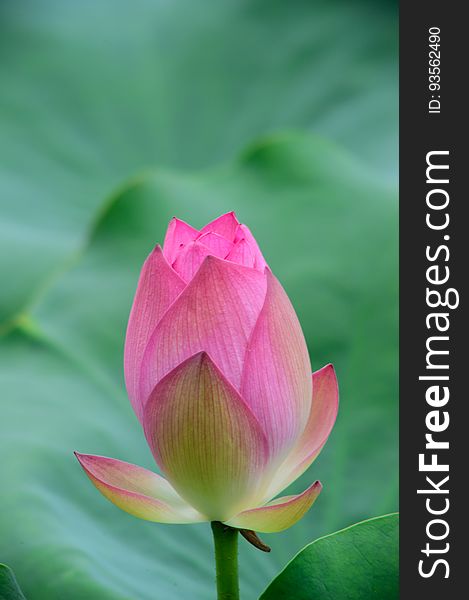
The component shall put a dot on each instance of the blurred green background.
(116, 115)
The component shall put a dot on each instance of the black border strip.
(423, 246)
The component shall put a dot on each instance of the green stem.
(226, 560)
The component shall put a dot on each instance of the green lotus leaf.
(359, 562)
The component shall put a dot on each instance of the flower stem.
(226, 560)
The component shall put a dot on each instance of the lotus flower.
(218, 374)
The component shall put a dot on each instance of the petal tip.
(202, 359)
(157, 249)
(85, 460)
(329, 371)
(230, 213)
(316, 487)
(210, 262)
(329, 368)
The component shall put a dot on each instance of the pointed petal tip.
(86, 461)
(197, 359)
(81, 457)
(178, 232)
(317, 486)
(156, 253)
(211, 261)
(178, 220)
(329, 372)
(204, 358)
(157, 249)
(224, 225)
(230, 213)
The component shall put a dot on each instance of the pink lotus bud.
(218, 373)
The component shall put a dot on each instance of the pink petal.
(205, 438)
(226, 226)
(216, 313)
(278, 514)
(241, 254)
(178, 234)
(137, 491)
(189, 259)
(322, 417)
(245, 233)
(158, 287)
(276, 381)
(218, 245)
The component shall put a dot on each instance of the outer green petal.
(137, 491)
(206, 439)
(278, 514)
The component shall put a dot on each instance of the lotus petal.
(279, 514)
(276, 380)
(216, 312)
(244, 232)
(226, 226)
(218, 245)
(322, 417)
(178, 235)
(242, 254)
(205, 438)
(158, 287)
(137, 491)
(189, 260)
